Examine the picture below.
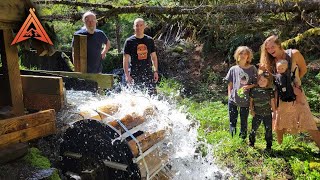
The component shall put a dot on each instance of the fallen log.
(263, 7)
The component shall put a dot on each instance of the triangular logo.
(32, 28)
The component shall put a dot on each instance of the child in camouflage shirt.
(262, 108)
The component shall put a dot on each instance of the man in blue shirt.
(95, 40)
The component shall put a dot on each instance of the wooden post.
(11, 66)
(80, 53)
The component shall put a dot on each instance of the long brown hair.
(266, 59)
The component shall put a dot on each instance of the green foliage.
(65, 31)
(311, 85)
(240, 92)
(112, 61)
(170, 88)
(294, 159)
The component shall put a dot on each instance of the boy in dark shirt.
(262, 108)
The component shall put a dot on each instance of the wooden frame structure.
(15, 126)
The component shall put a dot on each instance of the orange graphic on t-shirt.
(142, 51)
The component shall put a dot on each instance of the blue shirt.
(94, 46)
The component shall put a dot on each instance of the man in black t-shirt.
(140, 49)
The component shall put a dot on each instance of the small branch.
(73, 3)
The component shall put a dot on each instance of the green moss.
(314, 166)
(55, 176)
(300, 37)
(35, 158)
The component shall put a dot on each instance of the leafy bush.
(112, 61)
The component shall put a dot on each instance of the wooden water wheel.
(92, 149)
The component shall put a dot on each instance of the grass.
(296, 158)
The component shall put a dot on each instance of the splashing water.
(181, 136)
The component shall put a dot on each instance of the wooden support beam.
(105, 81)
(80, 53)
(43, 92)
(13, 13)
(11, 64)
(27, 127)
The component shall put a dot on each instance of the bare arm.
(300, 61)
(105, 49)
(154, 59)
(126, 67)
(273, 104)
(230, 86)
(273, 107)
(73, 55)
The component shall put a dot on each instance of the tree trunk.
(307, 6)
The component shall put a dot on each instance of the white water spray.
(181, 140)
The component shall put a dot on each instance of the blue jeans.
(233, 117)
(267, 122)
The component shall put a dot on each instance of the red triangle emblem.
(32, 28)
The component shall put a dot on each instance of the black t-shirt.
(261, 100)
(139, 51)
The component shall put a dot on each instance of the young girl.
(262, 105)
(241, 78)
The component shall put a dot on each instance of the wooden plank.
(26, 121)
(80, 53)
(13, 12)
(51, 85)
(154, 161)
(43, 101)
(39, 92)
(146, 141)
(43, 92)
(12, 63)
(128, 121)
(13, 152)
(28, 134)
(105, 81)
(76, 52)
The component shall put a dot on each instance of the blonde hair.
(243, 49)
(282, 62)
(266, 59)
